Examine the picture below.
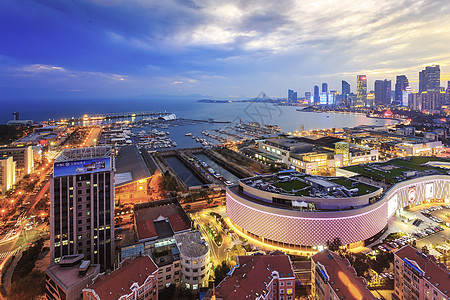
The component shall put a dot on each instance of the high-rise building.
(401, 84)
(426, 101)
(292, 96)
(22, 156)
(370, 100)
(345, 92)
(324, 93)
(82, 205)
(447, 94)
(316, 95)
(430, 79)
(7, 173)
(419, 276)
(324, 87)
(382, 92)
(308, 98)
(361, 90)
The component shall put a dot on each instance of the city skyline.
(125, 49)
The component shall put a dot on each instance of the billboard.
(78, 167)
(429, 191)
(412, 194)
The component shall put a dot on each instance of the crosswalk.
(6, 254)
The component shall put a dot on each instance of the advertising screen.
(412, 194)
(392, 205)
(79, 167)
(429, 191)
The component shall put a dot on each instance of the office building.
(292, 96)
(361, 90)
(258, 277)
(332, 277)
(195, 259)
(7, 173)
(401, 85)
(135, 279)
(22, 156)
(431, 102)
(447, 94)
(370, 100)
(82, 205)
(430, 79)
(308, 98)
(316, 95)
(345, 92)
(324, 87)
(382, 93)
(67, 279)
(419, 276)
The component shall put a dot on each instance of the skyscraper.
(324, 87)
(430, 79)
(82, 205)
(382, 92)
(447, 94)
(292, 95)
(361, 90)
(345, 92)
(316, 95)
(308, 98)
(401, 84)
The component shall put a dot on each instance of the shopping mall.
(303, 212)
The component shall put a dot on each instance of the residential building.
(135, 279)
(308, 98)
(345, 93)
(23, 156)
(67, 279)
(82, 205)
(426, 101)
(195, 259)
(7, 173)
(401, 85)
(258, 277)
(316, 95)
(447, 94)
(292, 96)
(382, 92)
(430, 79)
(361, 90)
(332, 277)
(419, 276)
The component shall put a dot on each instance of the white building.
(7, 173)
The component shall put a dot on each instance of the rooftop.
(130, 160)
(192, 244)
(436, 273)
(118, 283)
(160, 219)
(249, 278)
(342, 276)
(84, 153)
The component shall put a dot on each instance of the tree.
(382, 262)
(28, 287)
(221, 272)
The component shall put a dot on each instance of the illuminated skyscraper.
(447, 94)
(430, 79)
(324, 87)
(382, 92)
(82, 205)
(292, 96)
(400, 86)
(345, 92)
(308, 98)
(316, 95)
(361, 90)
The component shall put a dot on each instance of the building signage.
(412, 194)
(79, 167)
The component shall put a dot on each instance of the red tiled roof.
(436, 273)
(346, 282)
(146, 229)
(252, 274)
(178, 223)
(118, 283)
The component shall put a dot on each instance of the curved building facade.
(274, 218)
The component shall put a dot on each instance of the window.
(177, 265)
(281, 292)
(187, 261)
(168, 269)
(194, 278)
(202, 268)
(177, 272)
(187, 269)
(195, 270)
(168, 277)
(282, 283)
(289, 283)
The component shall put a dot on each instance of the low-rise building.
(195, 259)
(135, 279)
(332, 277)
(419, 276)
(258, 277)
(67, 279)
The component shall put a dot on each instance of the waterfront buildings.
(301, 212)
(447, 94)
(82, 205)
(430, 101)
(22, 156)
(316, 95)
(361, 91)
(67, 279)
(308, 98)
(419, 276)
(135, 279)
(332, 277)
(7, 173)
(195, 259)
(258, 277)
(401, 85)
(430, 79)
(345, 92)
(382, 92)
(292, 96)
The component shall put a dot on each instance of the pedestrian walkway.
(6, 254)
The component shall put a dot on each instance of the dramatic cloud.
(216, 47)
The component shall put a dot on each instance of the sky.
(214, 48)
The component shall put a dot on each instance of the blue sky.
(216, 48)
